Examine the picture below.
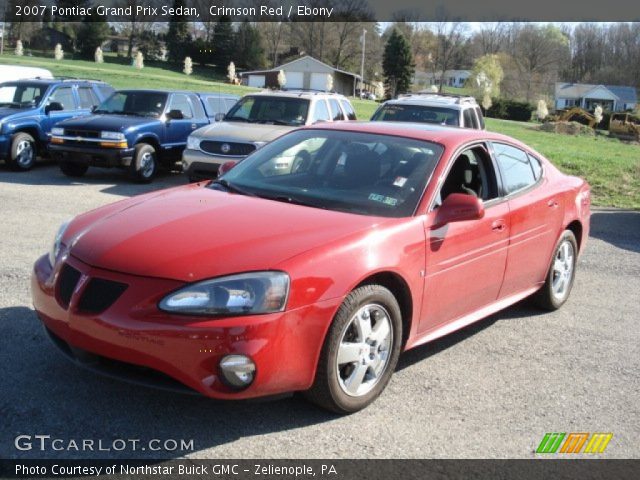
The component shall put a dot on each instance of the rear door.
(178, 129)
(535, 217)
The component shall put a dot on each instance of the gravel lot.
(491, 390)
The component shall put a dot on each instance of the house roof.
(315, 60)
(580, 90)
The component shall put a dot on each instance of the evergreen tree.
(224, 47)
(178, 38)
(92, 33)
(397, 64)
(250, 51)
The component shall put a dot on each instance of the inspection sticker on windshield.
(382, 199)
(400, 181)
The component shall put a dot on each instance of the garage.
(319, 81)
(257, 81)
(294, 80)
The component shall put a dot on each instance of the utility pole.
(363, 38)
(4, 11)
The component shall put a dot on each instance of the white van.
(14, 72)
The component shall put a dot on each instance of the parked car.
(268, 281)
(256, 120)
(439, 109)
(30, 108)
(18, 72)
(139, 130)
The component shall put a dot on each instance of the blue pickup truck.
(138, 130)
(30, 108)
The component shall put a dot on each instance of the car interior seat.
(361, 167)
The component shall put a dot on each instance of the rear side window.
(470, 120)
(351, 114)
(536, 166)
(320, 112)
(87, 98)
(480, 117)
(515, 167)
(197, 106)
(64, 96)
(336, 112)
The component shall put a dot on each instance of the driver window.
(64, 96)
(181, 102)
(472, 173)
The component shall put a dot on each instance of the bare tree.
(450, 40)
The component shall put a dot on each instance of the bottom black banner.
(322, 469)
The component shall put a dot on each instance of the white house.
(610, 97)
(304, 73)
(452, 78)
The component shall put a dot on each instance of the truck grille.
(233, 149)
(70, 132)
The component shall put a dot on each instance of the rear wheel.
(555, 291)
(360, 352)
(144, 163)
(72, 169)
(23, 152)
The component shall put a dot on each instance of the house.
(304, 73)
(610, 97)
(47, 38)
(452, 78)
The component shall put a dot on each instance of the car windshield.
(417, 113)
(21, 95)
(362, 173)
(137, 103)
(270, 110)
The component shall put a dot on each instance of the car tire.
(23, 152)
(357, 358)
(73, 169)
(562, 271)
(144, 163)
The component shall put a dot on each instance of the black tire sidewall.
(368, 294)
(15, 140)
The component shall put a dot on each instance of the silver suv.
(256, 120)
(439, 109)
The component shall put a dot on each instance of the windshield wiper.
(292, 200)
(275, 122)
(233, 188)
(237, 119)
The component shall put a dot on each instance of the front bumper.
(92, 156)
(204, 166)
(284, 346)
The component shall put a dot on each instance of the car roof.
(221, 95)
(435, 99)
(296, 94)
(448, 136)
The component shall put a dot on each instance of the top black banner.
(321, 10)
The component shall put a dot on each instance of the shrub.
(510, 110)
(98, 56)
(19, 49)
(188, 66)
(58, 53)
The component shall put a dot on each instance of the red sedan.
(313, 263)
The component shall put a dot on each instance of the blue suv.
(137, 130)
(30, 108)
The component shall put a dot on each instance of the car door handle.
(552, 203)
(193, 126)
(498, 226)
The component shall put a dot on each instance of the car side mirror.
(226, 166)
(94, 108)
(53, 107)
(175, 115)
(459, 207)
(219, 116)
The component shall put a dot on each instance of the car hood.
(190, 234)
(240, 131)
(7, 112)
(114, 123)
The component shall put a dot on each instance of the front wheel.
(360, 352)
(555, 291)
(23, 152)
(144, 163)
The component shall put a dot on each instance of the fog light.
(238, 371)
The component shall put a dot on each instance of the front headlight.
(57, 131)
(57, 243)
(193, 143)
(112, 135)
(242, 294)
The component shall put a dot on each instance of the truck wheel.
(23, 152)
(72, 169)
(144, 163)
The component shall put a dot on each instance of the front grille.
(234, 149)
(67, 281)
(71, 132)
(100, 294)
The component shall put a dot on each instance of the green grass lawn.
(611, 167)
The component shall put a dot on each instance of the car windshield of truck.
(270, 110)
(21, 95)
(417, 113)
(136, 103)
(361, 173)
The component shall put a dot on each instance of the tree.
(98, 56)
(450, 41)
(188, 66)
(486, 77)
(542, 111)
(139, 61)
(19, 49)
(250, 52)
(282, 79)
(58, 53)
(178, 38)
(397, 64)
(231, 72)
(92, 33)
(224, 41)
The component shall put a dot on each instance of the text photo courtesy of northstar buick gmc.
(313, 279)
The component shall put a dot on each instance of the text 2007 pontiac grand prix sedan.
(313, 263)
